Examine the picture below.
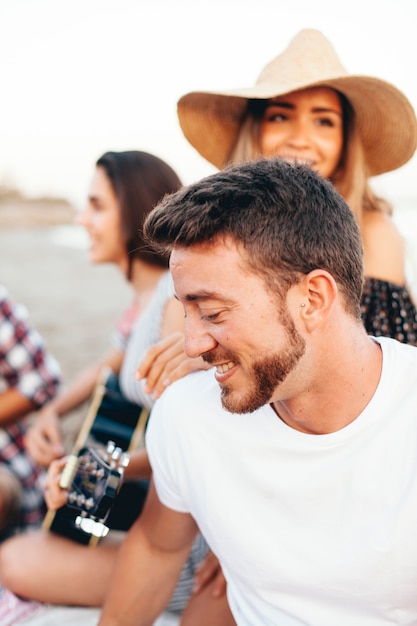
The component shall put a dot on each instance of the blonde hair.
(246, 147)
(351, 177)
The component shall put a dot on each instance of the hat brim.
(385, 119)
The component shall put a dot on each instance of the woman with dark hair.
(139, 181)
(124, 188)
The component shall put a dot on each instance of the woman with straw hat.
(306, 107)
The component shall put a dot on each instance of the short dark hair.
(139, 180)
(287, 217)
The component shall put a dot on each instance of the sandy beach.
(72, 304)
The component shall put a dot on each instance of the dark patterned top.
(388, 310)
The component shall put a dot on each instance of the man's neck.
(337, 398)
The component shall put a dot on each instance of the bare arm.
(148, 565)
(43, 440)
(30, 374)
(14, 405)
(139, 466)
(384, 254)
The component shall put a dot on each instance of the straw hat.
(385, 118)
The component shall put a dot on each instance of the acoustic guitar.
(94, 470)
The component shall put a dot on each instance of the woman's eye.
(275, 117)
(325, 121)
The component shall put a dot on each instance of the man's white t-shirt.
(309, 529)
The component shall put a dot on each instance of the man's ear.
(320, 293)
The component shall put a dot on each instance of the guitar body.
(94, 472)
(116, 418)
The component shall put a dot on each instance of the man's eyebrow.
(202, 296)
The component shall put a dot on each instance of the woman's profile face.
(101, 218)
(305, 126)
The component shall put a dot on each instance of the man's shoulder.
(391, 346)
(399, 359)
(197, 385)
(175, 412)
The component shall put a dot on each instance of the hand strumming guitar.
(43, 440)
(55, 496)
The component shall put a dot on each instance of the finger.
(162, 366)
(53, 477)
(175, 369)
(206, 571)
(42, 451)
(55, 497)
(55, 468)
(52, 434)
(153, 353)
(36, 447)
(219, 585)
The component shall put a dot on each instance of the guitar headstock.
(94, 487)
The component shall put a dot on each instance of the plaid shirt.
(27, 366)
(24, 362)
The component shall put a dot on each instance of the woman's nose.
(298, 135)
(82, 217)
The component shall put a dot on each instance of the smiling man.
(248, 369)
(296, 456)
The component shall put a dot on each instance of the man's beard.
(266, 373)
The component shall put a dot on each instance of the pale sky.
(80, 77)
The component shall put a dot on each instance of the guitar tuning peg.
(72, 496)
(89, 503)
(124, 462)
(110, 447)
(125, 459)
(116, 454)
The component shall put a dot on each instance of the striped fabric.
(13, 609)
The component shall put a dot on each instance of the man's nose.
(197, 340)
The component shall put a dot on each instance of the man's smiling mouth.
(224, 367)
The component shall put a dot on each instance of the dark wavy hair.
(140, 180)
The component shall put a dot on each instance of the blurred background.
(80, 77)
